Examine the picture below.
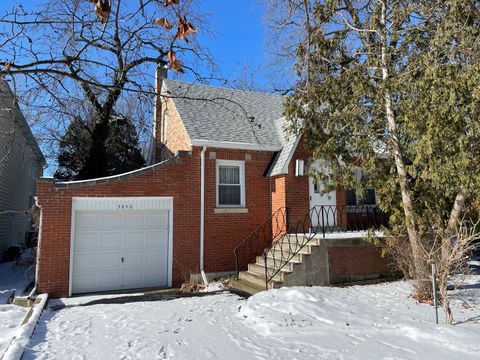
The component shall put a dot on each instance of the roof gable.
(221, 115)
(289, 141)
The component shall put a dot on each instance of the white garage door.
(125, 248)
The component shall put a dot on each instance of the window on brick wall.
(230, 183)
(354, 199)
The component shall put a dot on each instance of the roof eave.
(234, 145)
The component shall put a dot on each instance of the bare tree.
(66, 53)
(287, 23)
(451, 256)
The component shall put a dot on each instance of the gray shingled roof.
(212, 113)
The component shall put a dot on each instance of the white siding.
(20, 166)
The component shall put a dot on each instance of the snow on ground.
(359, 322)
(11, 316)
(14, 278)
(80, 300)
(347, 235)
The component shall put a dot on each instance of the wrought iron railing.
(282, 237)
(318, 223)
(261, 239)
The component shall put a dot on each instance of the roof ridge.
(223, 88)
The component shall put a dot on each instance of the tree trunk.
(453, 222)
(96, 165)
(420, 264)
(445, 300)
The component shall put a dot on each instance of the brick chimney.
(158, 118)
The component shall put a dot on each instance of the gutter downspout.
(202, 213)
(32, 296)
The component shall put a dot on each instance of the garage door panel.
(134, 259)
(85, 262)
(156, 238)
(155, 277)
(157, 219)
(156, 257)
(87, 220)
(110, 261)
(109, 280)
(133, 240)
(86, 240)
(111, 220)
(85, 282)
(103, 238)
(133, 279)
(135, 220)
(110, 239)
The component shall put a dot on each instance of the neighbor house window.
(230, 183)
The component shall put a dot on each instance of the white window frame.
(241, 165)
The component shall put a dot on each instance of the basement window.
(230, 183)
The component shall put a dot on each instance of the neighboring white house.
(21, 164)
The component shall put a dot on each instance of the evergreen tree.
(122, 153)
(73, 151)
(393, 87)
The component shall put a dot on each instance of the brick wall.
(353, 263)
(224, 231)
(279, 219)
(176, 137)
(297, 195)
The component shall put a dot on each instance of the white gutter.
(234, 145)
(39, 242)
(202, 209)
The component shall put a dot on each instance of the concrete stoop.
(308, 266)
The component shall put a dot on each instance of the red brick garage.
(172, 178)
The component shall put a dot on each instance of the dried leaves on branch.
(102, 9)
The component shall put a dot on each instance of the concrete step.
(246, 286)
(278, 254)
(294, 247)
(300, 239)
(275, 262)
(260, 268)
(259, 279)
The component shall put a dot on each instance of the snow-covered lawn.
(14, 277)
(359, 322)
(12, 280)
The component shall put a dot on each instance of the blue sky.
(239, 35)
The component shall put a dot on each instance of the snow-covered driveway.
(360, 322)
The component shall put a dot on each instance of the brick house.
(222, 164)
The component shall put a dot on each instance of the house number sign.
(124, 206)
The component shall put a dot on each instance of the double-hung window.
(230, 183)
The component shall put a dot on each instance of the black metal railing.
(261, 239)
(318, 223)
(328, 219)
(282, 237)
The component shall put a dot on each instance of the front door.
(322, 205)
